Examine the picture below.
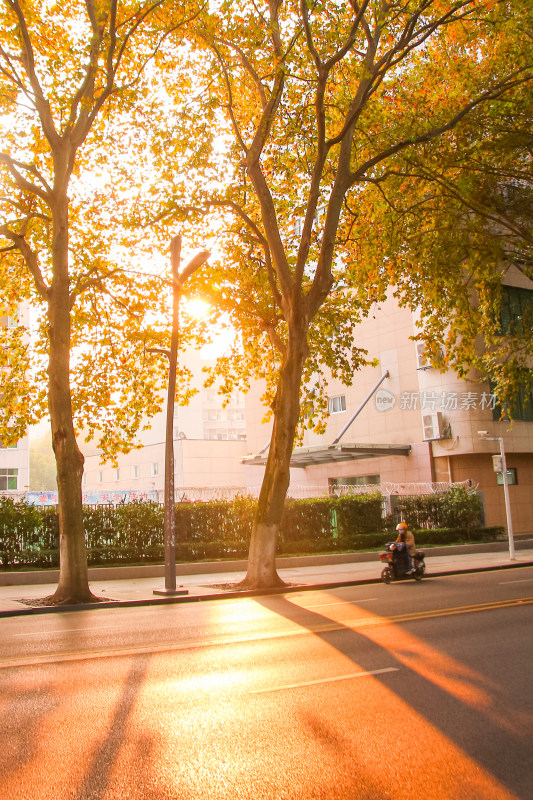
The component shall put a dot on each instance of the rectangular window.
(9, 321)
(337, 404)
(134, 470)
(100, 476)
(234, 414)
(297, 226)
(117, 473)
(8, 480)
(359, 480)
(512, 477)
(154, 469)
(521, 407)
(516, 309)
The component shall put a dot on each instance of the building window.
(10, 321)
(154, 469)
(134, 470)
(520, 408)
(337, 404)
(359, 480)
(516, 308)
(117, 473)
(100, 476)
(8, 480)
(84, 479)
(512, 477)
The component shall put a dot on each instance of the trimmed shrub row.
(133, 532)
(457, 507)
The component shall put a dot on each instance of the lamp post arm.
(158, 350)
(195, 262)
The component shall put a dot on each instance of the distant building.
(419, 428)
(403, 427)
(209, 445)
(14, 459)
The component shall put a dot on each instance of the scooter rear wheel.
(418, 574)
(387, 575)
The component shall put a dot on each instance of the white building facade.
(209, 445)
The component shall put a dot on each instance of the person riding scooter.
(401, 558)
(404, 548)
(409, 539)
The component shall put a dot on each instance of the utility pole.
(178, 279)
(501, 466)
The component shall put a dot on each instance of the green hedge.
(133, 532)
(458, 507)
(425, 538)
(28, 535)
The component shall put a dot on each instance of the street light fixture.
(502, 466)
(178, 279)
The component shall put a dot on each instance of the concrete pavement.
(136, 585)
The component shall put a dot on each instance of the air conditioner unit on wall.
(435, 426)
(422, 361)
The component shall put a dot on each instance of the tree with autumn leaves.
(458, 222)
(310, 106)
(319, 101)
(72, 77)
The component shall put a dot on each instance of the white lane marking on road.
(525, 580)
(326, 680)
(72, 630)
(342, 603)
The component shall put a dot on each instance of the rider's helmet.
(401, 526)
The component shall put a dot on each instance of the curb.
(198, 598)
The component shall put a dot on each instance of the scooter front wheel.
(387, 575)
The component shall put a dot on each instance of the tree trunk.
(73, 586)
(262, 572)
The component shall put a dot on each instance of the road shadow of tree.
(97, 779)
(24, 711)
(447, 710)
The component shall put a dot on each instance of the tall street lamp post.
(178, 280)
(502, 467)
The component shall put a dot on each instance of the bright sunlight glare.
(197, 308)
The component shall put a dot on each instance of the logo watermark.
(436, 401)
(385, 400)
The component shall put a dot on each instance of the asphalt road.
(370, 692)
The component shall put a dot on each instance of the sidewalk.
(319, 572)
